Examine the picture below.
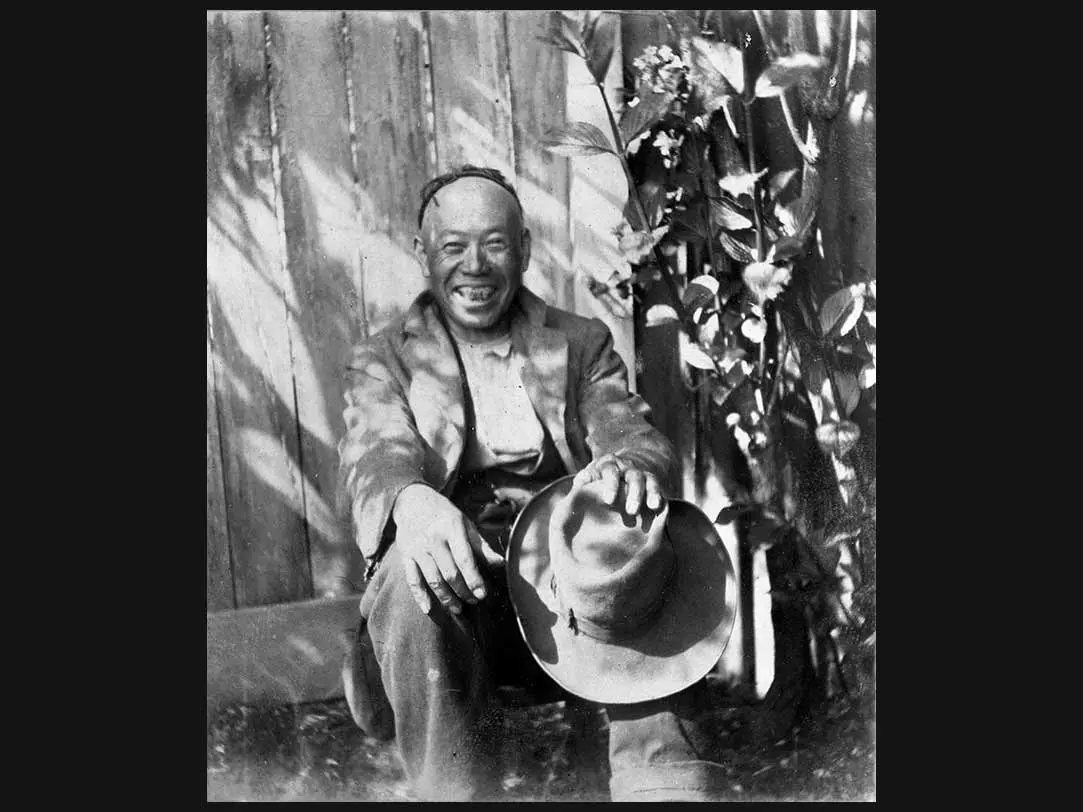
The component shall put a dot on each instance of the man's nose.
(474, 262)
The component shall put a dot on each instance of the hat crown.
(610, 570)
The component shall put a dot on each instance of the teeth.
(476, 293)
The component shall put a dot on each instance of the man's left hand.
(622, 477)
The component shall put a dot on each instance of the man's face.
(473, 249)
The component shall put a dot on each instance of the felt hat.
(619, 609)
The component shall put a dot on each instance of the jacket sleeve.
(382, 451)
(615, 420)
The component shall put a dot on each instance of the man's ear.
(526, 249)
(421, 257)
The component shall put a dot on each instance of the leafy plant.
(778, 337)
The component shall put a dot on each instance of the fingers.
(610, 471)
(434, 579)
(449, 568)
(464, 557)
(414, 581)
(654, 492)
(634, 485)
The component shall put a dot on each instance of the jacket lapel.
(436, 389)
(545, 372)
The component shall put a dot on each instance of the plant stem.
(633, 195)
(852, 56)
(776, 385)
(755, 184)
(801, 146)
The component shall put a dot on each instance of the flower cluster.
(660, 69)
(668, 145)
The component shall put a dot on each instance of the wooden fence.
(322, 128)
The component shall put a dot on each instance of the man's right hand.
(440, 548)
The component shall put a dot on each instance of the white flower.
(766, 280)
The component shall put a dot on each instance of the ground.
(315, 752)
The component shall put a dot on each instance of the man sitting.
(458, 413)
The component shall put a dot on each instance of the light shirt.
(507, 432)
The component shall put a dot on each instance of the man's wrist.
(406, 501)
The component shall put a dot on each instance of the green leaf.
(853, 315)
(723, 57)
(599, 40)
(737, 249)
(833, 308)
(661, 314)
(701, 293)
(815, 375)
(786, 71)
(726, 215)
(692, 354)
(779, 181)
(785, 249)
(867, 377)
(561, 34)
(849, 392)
(646, 110)
(838, 438)
(688, 225)
(740, 183)
(577, 138)
(754, 329)
(636, 246)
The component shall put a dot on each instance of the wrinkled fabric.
(440, 673)
(406, 418)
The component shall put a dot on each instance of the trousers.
(440, 671)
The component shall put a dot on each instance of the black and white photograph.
(541, 405)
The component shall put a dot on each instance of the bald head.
(473, 249)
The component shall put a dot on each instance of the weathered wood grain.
(219, 567)
(597, 194)
(247, 322)
(311, 108)
(388, 73)
(470, 83)
(536, 74)
(284, 654)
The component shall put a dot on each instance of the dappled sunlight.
(477, 145)
(334, 213)
(265, 456)
(392, 279)
(306, 648)
(252, 308)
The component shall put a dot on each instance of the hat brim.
(682, 643)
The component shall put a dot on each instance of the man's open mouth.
(475, 294)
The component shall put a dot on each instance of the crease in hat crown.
(610, 574)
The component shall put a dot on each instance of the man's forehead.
(468, 196)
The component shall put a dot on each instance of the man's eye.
(496, 245)
(453, 247)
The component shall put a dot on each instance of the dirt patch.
(315, 752)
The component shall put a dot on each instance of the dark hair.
(464, 171)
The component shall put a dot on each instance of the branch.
(633, 195)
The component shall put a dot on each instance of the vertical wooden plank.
(311, 114)
(219, 569)
(249, 333)
(536, 76)
(597, 194)
(388, 72)
(470, 87)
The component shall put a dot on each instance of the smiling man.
(457, 414)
